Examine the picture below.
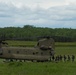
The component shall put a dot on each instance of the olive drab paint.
(41, 52)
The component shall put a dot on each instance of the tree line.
(30, 32)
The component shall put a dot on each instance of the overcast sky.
(42, 13)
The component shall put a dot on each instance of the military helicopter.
(41, 52)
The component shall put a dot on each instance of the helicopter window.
(25, 51)
(9, 51)
(33, 53)
(41, 53)
(17, 52)
(36, 52)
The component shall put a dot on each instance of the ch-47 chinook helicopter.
(41, 52)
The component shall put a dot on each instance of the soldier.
(60, 57)
(57, 59)
(68, 58)
(64, 58)
(73, 58)
(53, 57)
(52, 52)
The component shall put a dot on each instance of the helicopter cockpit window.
(50, 47)
(43, 47)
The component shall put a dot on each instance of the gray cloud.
(60, 16)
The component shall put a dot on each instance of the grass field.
(41, 68)
(33, 43)
(34, 68)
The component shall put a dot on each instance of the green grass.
(41, 68)
(65, 44)
(22, 43)
(45, 68)
(65, 50)
(33, 43)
